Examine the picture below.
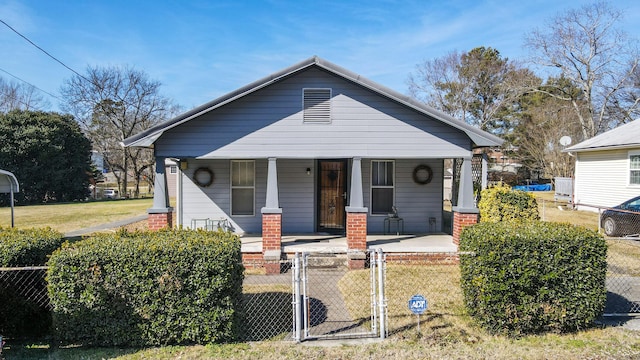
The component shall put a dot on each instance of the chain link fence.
(23, 295)
(621, 228)
(435, 276)
(267, 302)
(346, 303)
(27, 284)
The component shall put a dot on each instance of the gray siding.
(602, 178)
(296, 191)
(416, 203)
(297, 194)
(214, 201)
(269, 123)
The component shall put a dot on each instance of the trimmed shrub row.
(20, 317)
(501, 203)
(533, 277)
(27, 247)
(147, 288)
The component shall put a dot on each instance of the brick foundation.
(271, 232)
(356, 239)
(460, 221)
(271, 242)
(157, 221)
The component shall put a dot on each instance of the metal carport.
(9, 184)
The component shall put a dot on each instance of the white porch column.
(272, 222)
(160, 190)
(465, 189)
(272, 202)
(356, 202)
(485, 171)
(466, 213)
(356, 219)
(161, 214)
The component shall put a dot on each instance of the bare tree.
(584, 46)
(15, 96)
(113, 103)
(544, 120)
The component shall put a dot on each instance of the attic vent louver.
(317, 106)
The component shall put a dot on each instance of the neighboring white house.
(607, 168)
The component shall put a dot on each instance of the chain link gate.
(319, 290)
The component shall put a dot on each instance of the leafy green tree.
(478, 87)
(49, 155)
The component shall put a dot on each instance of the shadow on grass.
(45, 350)
(269, 315)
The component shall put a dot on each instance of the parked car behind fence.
(622, 220)
(110, 194)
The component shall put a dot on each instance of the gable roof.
(146, 138)
(625, 136)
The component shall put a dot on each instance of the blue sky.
(200, 50)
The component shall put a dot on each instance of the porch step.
(324, 261)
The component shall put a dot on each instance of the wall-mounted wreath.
(422, 174)
(203, 177)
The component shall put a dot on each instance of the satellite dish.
(565, 140)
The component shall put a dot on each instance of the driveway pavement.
(107, 226)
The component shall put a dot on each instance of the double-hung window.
(242, 187)
(382, 186)
(634, 168)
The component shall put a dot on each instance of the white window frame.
(252, 187)
(173, 169)
(629, 169)
(371, 187)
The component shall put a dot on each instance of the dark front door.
(332, 195)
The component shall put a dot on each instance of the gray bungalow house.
(313, 148)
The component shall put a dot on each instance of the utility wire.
(28, 83)
(44, 51)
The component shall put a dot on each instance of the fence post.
(374, 295)
(305, 295)
(297, 321)
(381, 299)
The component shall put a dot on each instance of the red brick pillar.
(157, 221)
(356, 239)
(272, 242)
(460, 221)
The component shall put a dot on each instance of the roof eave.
(601, 148)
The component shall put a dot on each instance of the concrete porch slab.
(419, 243)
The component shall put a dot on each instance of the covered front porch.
(362, 230)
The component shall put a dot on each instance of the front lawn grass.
(74, 216)
(558, 211)
(446, 332)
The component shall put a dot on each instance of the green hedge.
(533, 277)
(27, 247)
(147, 288)
(501, 203)
(19, 316)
